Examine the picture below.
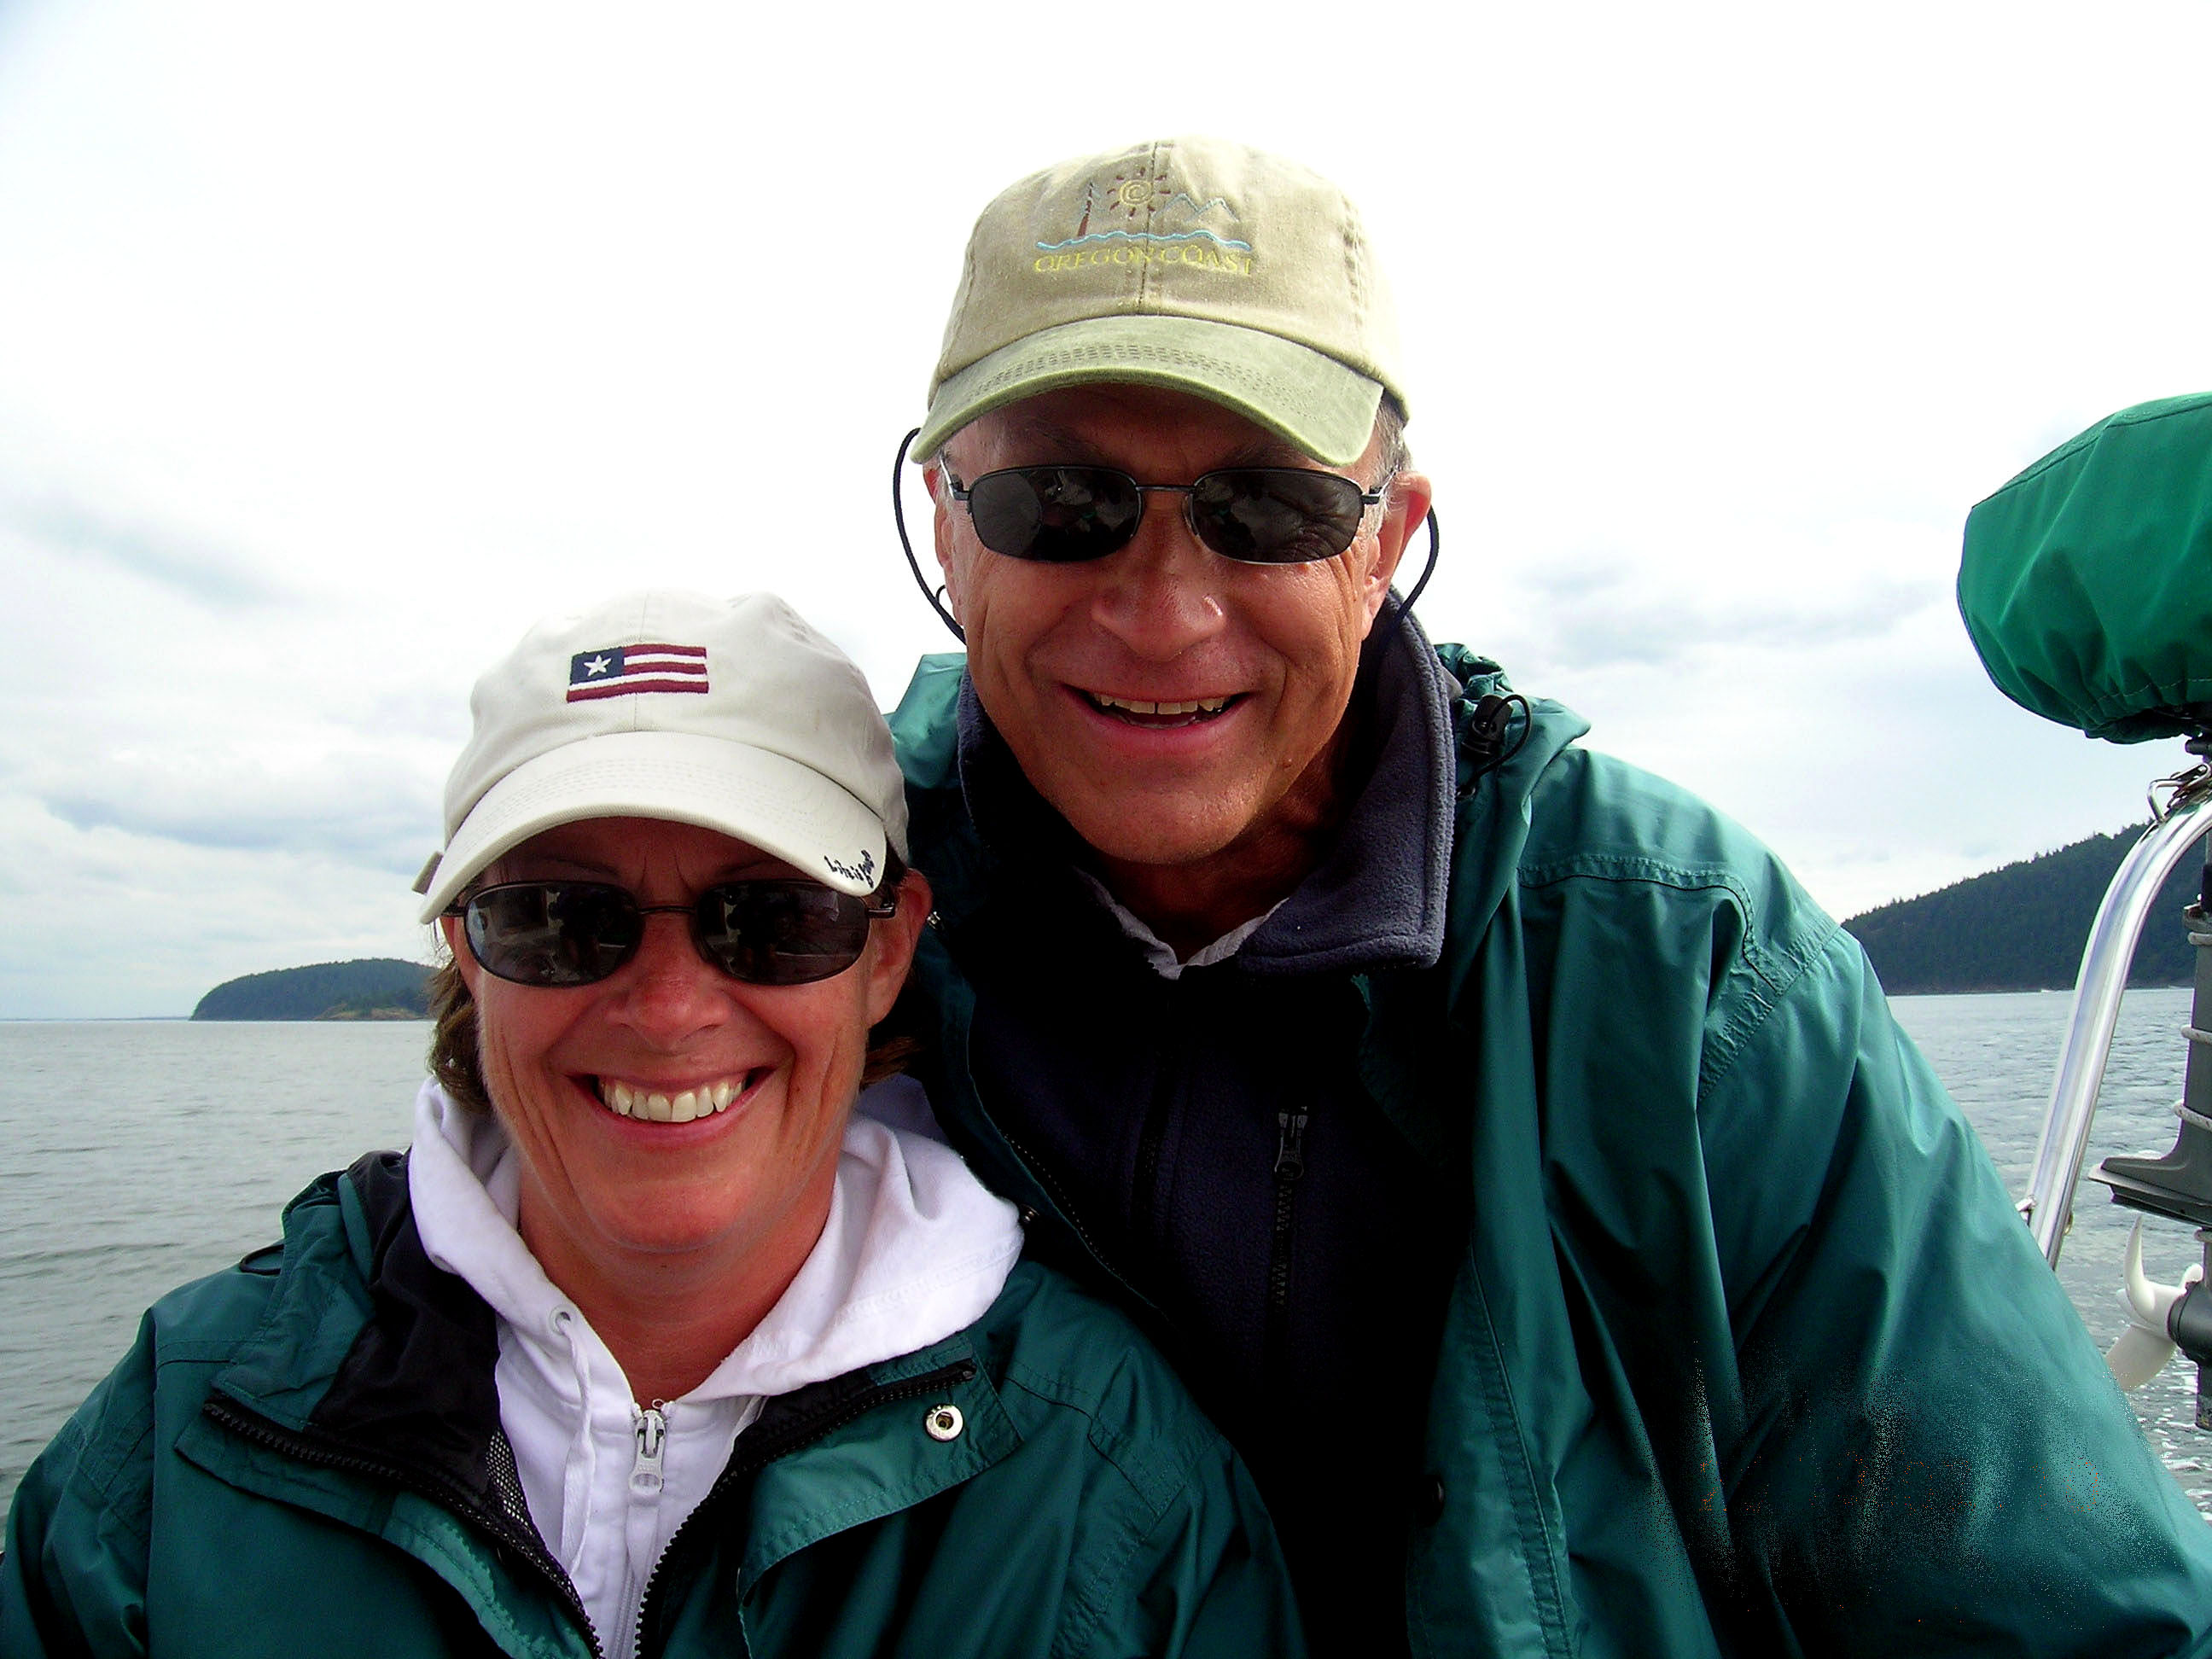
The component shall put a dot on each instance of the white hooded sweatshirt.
(914, 1249)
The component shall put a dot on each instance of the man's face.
(1172, 704)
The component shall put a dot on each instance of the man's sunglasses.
(549, 934)
(1254, 514)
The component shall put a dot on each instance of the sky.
(337, 344)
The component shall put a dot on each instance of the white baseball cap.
(734, 715)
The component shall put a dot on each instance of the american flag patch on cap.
(620, 670)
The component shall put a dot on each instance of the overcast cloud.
(338, 346)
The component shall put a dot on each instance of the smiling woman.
(676, 1124)
(651, 1342)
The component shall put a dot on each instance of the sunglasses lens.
(549, 934)
(552, 932)
(1276, 515)
(781, 932)
(1054, 514)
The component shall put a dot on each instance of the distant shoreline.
(2022, 928)
(423, 1019)
(2017, 991)
(186, 1019)
(366, 988)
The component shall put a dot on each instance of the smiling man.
(1184, 712)
(1520, 1168)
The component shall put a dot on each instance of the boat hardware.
(2142, 1349)
(2086, 586)
(2188, 781)
(2049, 1205)
(2179, 1184)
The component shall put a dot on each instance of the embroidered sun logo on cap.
(622, 670)
(1134, 195)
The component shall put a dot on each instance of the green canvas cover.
(2086, 582)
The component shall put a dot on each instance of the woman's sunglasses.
(1254, 514)
(551, 933)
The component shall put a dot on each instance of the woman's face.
(601, 1190)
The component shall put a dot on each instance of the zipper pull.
(649, 1432)
(1291, 1146)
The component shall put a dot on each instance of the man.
(1523, 1170)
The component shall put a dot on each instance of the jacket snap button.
(944, 1423)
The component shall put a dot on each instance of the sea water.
(136, 1155)
(1996, 1055)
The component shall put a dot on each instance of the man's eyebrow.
(1024, 429)
(1268, 450)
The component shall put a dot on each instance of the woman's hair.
(457, 1066)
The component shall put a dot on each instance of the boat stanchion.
(2178, 1185)
(2180, 823)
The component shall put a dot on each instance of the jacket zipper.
(446, 1494)
(1052, 1189)
(1290, 1166)
(1041, 1177)
(1144, 1205)
(649, 1434)
(755, 1452)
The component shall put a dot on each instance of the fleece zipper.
(1146, 1203)
(1290, 1169)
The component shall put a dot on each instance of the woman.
(650, 1345)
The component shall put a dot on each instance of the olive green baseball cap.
(1187, 262)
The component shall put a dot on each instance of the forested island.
(2022, 928)
(2018, 928)
(369, 987)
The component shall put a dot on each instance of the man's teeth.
(703, 1102)
(1137, 706)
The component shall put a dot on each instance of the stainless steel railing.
(2182, 820)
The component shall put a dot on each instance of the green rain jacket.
(295, 1459)
(1749, 1352)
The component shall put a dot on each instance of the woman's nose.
(670, 990)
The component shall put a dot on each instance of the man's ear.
(1405, 510)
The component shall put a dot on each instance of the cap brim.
(1307, 398)
(752, 795)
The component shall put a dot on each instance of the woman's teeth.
(705, 1101)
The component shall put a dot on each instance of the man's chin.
(1161, 833)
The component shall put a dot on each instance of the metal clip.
(2182, 787)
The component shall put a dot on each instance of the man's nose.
(1161, 594)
